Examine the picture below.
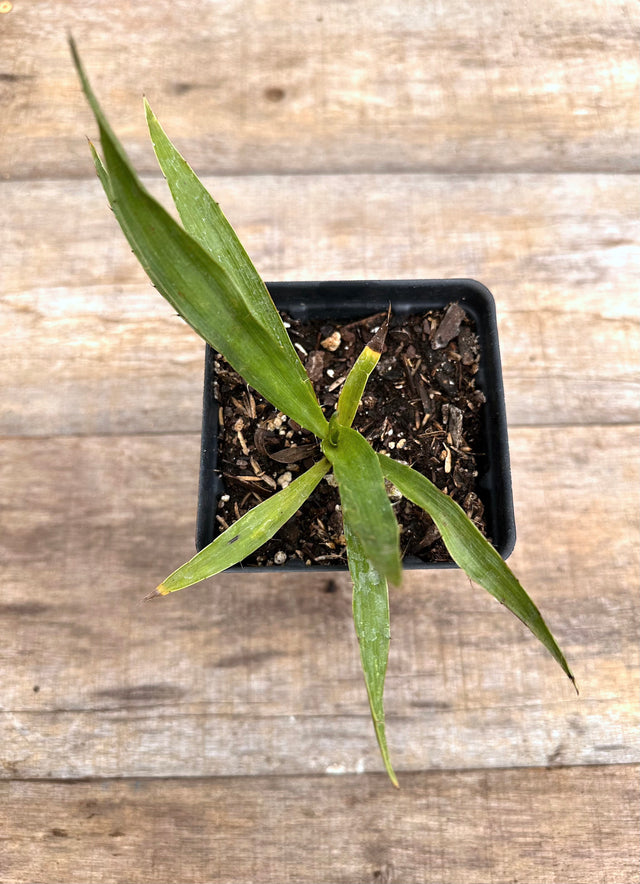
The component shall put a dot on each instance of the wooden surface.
(223, 734)
(483, 825)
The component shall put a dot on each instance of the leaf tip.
(573, 681)
(156, 593)
(72, 44)
(75, 56)
(377, 341)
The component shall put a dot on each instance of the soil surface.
(420, 406)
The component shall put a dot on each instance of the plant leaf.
(205, 222)
(353, 387)
(364, 499)
(471, 551)
(371, 620)
(246, 535)
(198, 287)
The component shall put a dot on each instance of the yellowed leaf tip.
(156, 594)
(376, 344)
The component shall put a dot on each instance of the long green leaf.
(371, 620)
(246, 535)
(198, 287)
(364, 499)
(471, 551)
(204, 220)
(353, 388)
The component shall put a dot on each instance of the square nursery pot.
(344, 302)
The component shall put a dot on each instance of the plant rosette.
(203, 271)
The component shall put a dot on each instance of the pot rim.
(348, 299)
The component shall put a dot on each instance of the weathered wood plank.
(255, 87)
(261, 676)
(254, 676)
(89, 347)
(563, 826)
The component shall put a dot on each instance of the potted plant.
(203, 271)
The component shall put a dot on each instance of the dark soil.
(420, 406)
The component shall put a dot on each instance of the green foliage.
(240, 321)
(248, 534)
(364, 499)
(471, 551)
(354, 385)
(203, 271)
(371, 620)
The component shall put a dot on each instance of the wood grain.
(246, 676)
(473, 826)
(396, 139)
(330, 87)
(89, 347)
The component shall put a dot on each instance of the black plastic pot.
(344, 301)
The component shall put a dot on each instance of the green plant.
(203, 271)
